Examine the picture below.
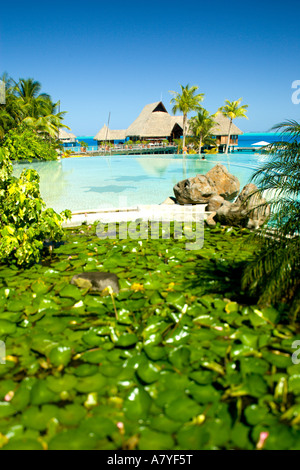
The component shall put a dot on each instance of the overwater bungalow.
(66, 137)
(108, 135)
(220, 132)
(155, 124)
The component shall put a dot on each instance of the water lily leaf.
(71, 291)
(40, 287)
(92, 383)
(60, 355)
(71, 415)
(7, 328)
(150, 440)
(101, 428)
(73, 439)
(148, 372)
(182, 409)
(137, 404)
(240, 436)
(6, 409)
(192, 437)
(126, 340)
(40, 394)
(23, 444)
(60, 384)
(256, 414)
(164, 424)
(36, 418)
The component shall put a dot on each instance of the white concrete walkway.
(158, 212)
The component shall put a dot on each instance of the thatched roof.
(66, 136)
(108, 134)
(154, 121)
(222, 126)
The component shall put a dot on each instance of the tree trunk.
(228, 139)
(200, 144)
(184, 131)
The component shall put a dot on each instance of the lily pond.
(179, 359)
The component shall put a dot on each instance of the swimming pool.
(87, 183)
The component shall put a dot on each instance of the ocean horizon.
(245, 140)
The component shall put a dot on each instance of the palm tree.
(233, 110)
(201, 125)
(185, 102)
(274, 273)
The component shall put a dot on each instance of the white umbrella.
(261, 144)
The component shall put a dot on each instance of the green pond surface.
(179, 359)
(118, 181)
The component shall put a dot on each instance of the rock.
(231, 214)
(210, 221)
(201, 188)
(170, 200)
(214, 203)
(196, 190)
(96, 281)
(246, 211)
(225, 184)
(255, 205)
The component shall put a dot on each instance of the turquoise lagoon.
(92, 183)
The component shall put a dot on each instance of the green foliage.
(24, 224)
(185, 102)
(233, 110)
(275, 271)
(185, 364)
(25, 105)
(23, 143)
(201, 126)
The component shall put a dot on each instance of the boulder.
(196, 190)
(201, 188)
(224, 183)
(210, 221)
(246, 211)
(214, 203)
(96, 281)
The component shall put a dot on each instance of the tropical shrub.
(274, 273)
(23, 143)
(24, 223)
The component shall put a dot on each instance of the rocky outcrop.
(201, 188)
(249, 210)
(214, 203)
(224, 183)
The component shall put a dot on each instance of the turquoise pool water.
(110, 182)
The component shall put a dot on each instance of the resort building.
(220, 132)
(66, 137)
(108, 135)
(155, 124)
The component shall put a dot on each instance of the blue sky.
(101, 57)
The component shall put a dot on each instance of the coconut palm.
(274, 273)
(233, 110)
(185, 102)
(201, 126)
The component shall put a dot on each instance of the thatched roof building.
(154, 122)
(66, 136)
(222, 126)
(108, 135)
